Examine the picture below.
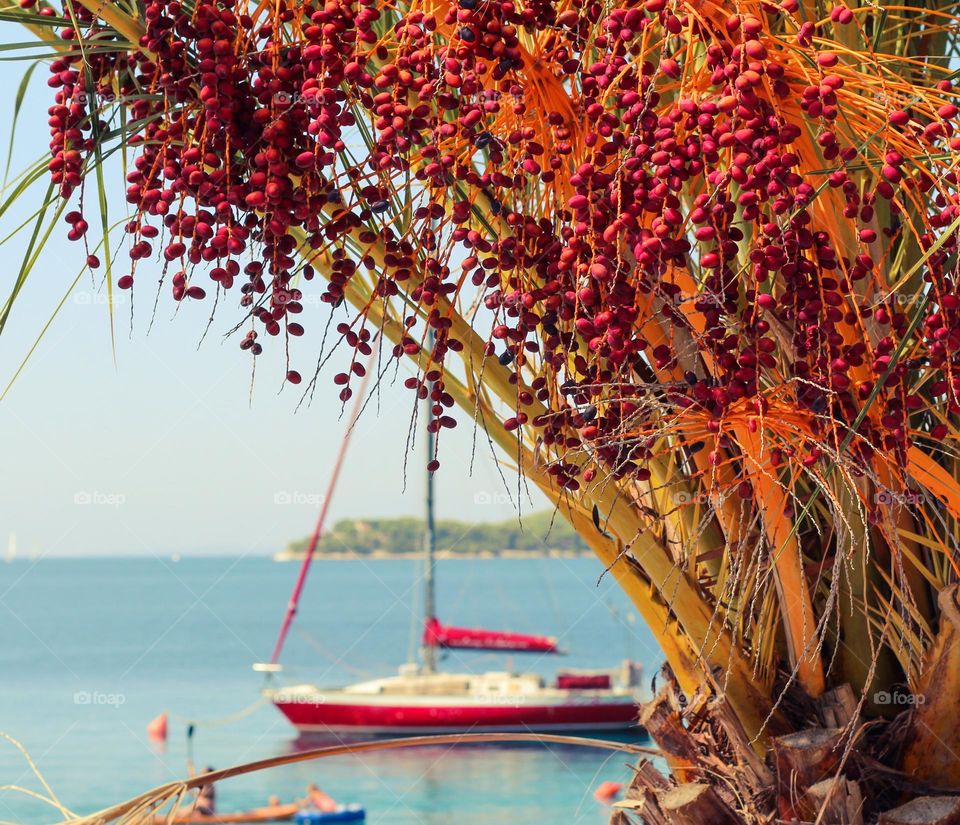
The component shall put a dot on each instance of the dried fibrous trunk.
(927, 810)
(692, 803)
(661, 718)
(836, 801)
(802, 759)
(933, 743)
(822, 773)
(838, 707)
(695, 804)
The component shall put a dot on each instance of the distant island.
(543, 533)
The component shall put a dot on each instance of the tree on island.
(715, 247)
(537, 533)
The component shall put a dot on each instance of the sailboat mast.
(429, 652)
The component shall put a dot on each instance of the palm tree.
(691, 265)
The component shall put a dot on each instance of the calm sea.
(91, 650)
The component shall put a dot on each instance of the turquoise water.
(93, 649)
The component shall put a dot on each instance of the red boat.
(417, 702)
(423, 700)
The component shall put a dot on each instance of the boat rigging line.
(222, 720)
(273, 666)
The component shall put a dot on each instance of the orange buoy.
(606, 792)
(157, 728)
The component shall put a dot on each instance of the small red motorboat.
(268, 813)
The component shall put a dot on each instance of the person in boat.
(205, 803)
(319, 800)
(206, 800)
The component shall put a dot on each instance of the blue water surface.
(92, 649)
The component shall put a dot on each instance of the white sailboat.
(422, 699)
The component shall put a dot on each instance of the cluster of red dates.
(670, 209)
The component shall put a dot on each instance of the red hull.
(397, 719)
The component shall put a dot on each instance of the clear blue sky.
(166, 451)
